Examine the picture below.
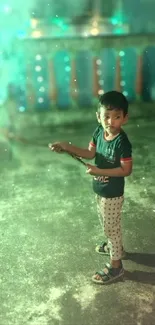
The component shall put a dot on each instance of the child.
(113, 161)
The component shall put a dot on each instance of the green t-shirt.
(109, 154)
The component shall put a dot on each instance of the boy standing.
(113, 161)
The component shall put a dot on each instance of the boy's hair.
(114, 100)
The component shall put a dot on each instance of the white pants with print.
(109, 211)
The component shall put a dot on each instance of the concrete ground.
(49, 229)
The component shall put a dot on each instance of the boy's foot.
(103, 249)
(108, 275)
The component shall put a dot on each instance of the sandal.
(103, 249)
(108, 275)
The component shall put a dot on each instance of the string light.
(99, 72)
(40, 100)
(94, 31)
(122, 83)
(68, 68)
(38, 68)
(34, 23)
(99, 62)
(121, 53)
(101, 92)
(36, 34)
(38, 57)
(40, 79)
(21, 109)
(66, 58)
(42, 89)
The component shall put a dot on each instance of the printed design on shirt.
(110, 155)
(103, 179)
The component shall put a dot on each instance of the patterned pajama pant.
(109, 212)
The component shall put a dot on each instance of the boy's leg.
(112, 228)
(102, 248)
(111, 213)
(99, 213)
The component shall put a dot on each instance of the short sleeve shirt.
(110, 154)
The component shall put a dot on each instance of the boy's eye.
(115, 118)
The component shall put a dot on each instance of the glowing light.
(125, 93)
(7, 9)
(66, 58)
(42, 89)
(121, 53)
(114, 21)
(59, 21)
(98, 61)
(38, 57)
(34, 23)
(40, 79)
(68, 68)
(94, 31)
(99, 72)
(101, 92)
(118, 31)
(85, 34)
(122, 83)
(95, 23)
(38, 68)
(21, 109)
(36, 34)
(40, 100)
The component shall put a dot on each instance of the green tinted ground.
(49, 228)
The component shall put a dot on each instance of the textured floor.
(49, 228)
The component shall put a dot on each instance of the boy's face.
(111, 120)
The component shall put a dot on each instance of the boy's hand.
(58, 146)
(92, 170)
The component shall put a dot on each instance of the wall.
(73, 72)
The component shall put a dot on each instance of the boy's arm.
(88, 153)
(123, 171)
(125, 153)
(68, 147)
(81, 152)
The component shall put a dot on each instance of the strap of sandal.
(106, 272)
(103, 245)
